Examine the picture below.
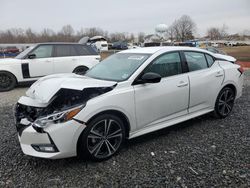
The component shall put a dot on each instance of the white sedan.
(129, 94)
(44, 59)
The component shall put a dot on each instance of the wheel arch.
(232, 86)
(118, 113)
(80, 66)
(6, 71)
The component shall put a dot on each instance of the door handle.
(219, 74)
(182, 84)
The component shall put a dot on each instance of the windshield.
(25, 52)
(118, 67)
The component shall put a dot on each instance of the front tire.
(224, 102)
(102, 138)
(7, 81)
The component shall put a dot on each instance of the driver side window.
(43, 51)
(166, 65)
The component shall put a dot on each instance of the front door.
(159, 102)
(41, 63)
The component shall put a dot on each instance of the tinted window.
(85, 50)
(43, 51)
(195, 61)
(210, 60)
(65, 50)
(166, 65)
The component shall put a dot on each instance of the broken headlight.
(58, 117)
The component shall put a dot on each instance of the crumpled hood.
(45, 88)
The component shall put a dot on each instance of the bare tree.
(141, 37)
(216, 33)
(183, 28)
(171, 33)
(93, 31)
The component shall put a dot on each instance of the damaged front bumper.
(53, 142)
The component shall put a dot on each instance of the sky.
(130, 16)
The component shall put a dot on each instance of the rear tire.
(80, 70)
(7, 81)
(224, 102)
(102, 138)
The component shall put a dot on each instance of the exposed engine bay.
(62, 100)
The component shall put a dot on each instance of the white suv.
(45, 59)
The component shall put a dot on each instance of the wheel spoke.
(230, 98)
(107, 126)
(114, 136)
(221, 102)
(114, 133)
(95, 133)
(110, 145)
(97, 148)
(223, 109)
(226, 94)
(94, 136)
(228, 107)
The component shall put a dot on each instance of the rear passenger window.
(210, 60)
(196, 61)
(166, 65)
(65, 50)
(85, 50)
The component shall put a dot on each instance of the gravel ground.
(202, 152)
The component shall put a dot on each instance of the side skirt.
(169, 123)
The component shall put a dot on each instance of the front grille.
(25, 112)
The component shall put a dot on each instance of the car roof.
(58, 43)
(152, 50)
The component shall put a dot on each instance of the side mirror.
(151, 77)
(32, 56)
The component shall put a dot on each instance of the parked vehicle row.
(129, 94)
(44, 59)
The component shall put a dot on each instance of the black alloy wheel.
(7, 81)
(225, 102)
(102, 137)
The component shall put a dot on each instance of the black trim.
(79, 121)
(25, 70)
(52, 142)
(184, 62)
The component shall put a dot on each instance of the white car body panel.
(205, 85)
(147, 107)
(170, 88)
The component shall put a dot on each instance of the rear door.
(88, 57)
(66, 58)
(159, 102)
(41, 64)
(206, 77)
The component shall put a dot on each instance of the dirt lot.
(202, 152)
(241, 53)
